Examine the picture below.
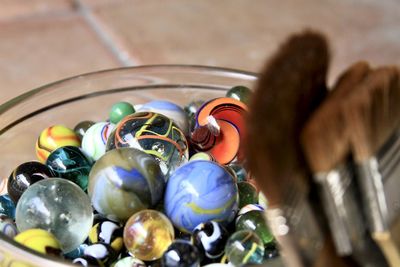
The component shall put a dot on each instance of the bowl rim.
(20, 98)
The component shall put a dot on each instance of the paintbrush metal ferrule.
(380, 183)
(297, 231)
(342, 208)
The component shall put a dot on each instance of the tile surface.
(42, 50)
(102, 3)
(242, 34)
(13, 9)
(45, 40)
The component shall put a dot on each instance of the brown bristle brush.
(373, 118)
(326, 144)
(290, 88)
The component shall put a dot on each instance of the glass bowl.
(89, 97)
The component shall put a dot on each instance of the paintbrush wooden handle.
(328, 257)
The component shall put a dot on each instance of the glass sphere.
(24, 176)
(119, 110)
(244, 247)
(129, 262)
(7, 226)
(181, 253)
(170, 110)
(241, 93)
(155, 134)
(123, 182)
(71, 163)
(200, 191)
(255, 221)
(58, 206)
(148, 234)
(81, 128)
(7, 206)
(39, 240)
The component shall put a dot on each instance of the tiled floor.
(46, 40)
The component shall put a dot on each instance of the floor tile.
(101, 3)
(39, 51)
(13, 9)
(242, 34)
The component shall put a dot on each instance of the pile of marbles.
(153, 185)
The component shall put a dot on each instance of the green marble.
(244, 247)
(247, 194)
(241, 93)
(255, 221)
(120, 110)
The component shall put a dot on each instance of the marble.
(200, 191)
(148, 234)
(58, 206)
(124, 181)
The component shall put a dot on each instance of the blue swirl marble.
(161, 104)
(200, 191)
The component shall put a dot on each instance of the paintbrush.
(326, 144)
(292, 85)
(373, 119)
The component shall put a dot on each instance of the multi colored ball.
(7, 226)
(155, 134)
(148, 234)
(107, 232)
(39, 240)
(255, 221)
(129, 262)
(7, 206)
(95, 139)
(54, 137)
(103, 253)
(210, 237)
(125, 181)
(244, 247)
(71, 163)
(220, 129)
(181, 253)
(200, 191)
(170, 110)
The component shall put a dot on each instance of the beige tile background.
(45, 40)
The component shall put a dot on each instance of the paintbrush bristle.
(292, 85)
(325, 137)
(373, 113)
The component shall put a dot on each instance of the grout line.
(121, 54)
